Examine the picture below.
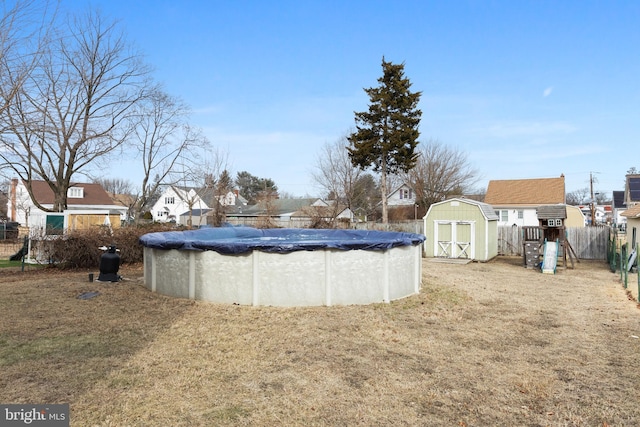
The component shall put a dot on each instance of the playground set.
(547, 244)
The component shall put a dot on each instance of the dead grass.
(482, 344)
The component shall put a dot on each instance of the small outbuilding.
(575, 217)
(461, 228)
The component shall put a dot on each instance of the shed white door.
(454, 239)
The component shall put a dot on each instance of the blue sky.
(527, 89)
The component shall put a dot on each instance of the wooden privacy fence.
(587, 242)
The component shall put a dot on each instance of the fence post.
(620, 262)
(625, 262)
(611, 252)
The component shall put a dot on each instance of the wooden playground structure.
(546, 246)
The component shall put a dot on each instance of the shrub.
(80, 249)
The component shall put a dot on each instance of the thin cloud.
(547, 91)
(526, 129)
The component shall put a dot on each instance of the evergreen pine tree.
(386, 136)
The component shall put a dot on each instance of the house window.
(520, 214)
(169, 200)
(75, 193)
(405, 193)
(504, 215)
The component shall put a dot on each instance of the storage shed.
(461, 228)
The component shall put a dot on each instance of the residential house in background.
(292, 213)
(575, 217)
(632, 190)
(619, 206)
(320, 212)
(632, 215)
(192, 205)
(515, 200)
(229, 204)
(629, 208)
(126, 200)
(401, 196)
(602, 213)
(87, 204)
(174, 201)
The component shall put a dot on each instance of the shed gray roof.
(486, 208)
(551, 211)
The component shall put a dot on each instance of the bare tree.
(580, 196)
(164, 140)
(24, 30)
(74, 107)
(121, 192)
(335, 173)
(217, 184)
(440, 172)
(189, 179)
(366, 197)
(115, 185)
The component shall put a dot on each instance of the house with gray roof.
(291, 213)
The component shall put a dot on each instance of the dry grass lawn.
(482, 345)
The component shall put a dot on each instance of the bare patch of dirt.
(482, 344)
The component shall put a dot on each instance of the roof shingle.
(94, 194)
(527, 192)
(632, 212)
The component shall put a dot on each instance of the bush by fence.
(80, 249)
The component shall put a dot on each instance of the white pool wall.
(302, 278)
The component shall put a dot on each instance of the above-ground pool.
(283, 267)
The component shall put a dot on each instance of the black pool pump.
(109, 265)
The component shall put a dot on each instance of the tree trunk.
(60, 201)
(383, 191)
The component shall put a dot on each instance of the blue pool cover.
(238, 240)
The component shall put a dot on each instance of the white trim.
(453, 248)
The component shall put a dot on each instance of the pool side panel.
(402, 271)
(357, 277)
(172, 272)
(224, 278)
(293, 279)
(302, 278)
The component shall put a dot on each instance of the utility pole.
(593, 207)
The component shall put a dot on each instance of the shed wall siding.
(485, 231)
